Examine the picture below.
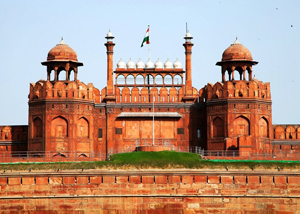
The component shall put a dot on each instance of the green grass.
(162, 160)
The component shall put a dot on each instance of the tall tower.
(188, 93)
(110, 96)
(61, 107)
(239, 115)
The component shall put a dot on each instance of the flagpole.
(149, 50)
(153, 119)
(153, 98)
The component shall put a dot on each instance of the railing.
(36, 156)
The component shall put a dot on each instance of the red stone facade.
(66, 115)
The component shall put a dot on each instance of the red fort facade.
(149, 105)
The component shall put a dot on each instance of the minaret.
(110, 47)
(188, 65)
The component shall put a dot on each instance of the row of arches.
(62, 73)
(288, 132)
(156, 94)
(241, 127)
(149, 79)
(238, 72)
(60, 127)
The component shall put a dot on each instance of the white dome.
(159, 64)
(121, 64)
(109, 34)
(168, 64)
(188, 34)
(149, 64)
(130, 64)
(177, 64)
(140, 64)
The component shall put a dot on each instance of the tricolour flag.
(146, 38)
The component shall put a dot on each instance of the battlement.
(63, 90)
(236, 89)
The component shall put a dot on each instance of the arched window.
(37, 128)
(158, 80)
(120, 80)
(139, 80)
(218, 127)
(177, 80)
(149, 80)
(168, 80)
(82, 128)
(241, 126)
(130, 80)
(52, 75)
(59, 127)
(263, 127)
(71, 75)
(61, 74)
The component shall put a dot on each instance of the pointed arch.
(37, 128)
(59, 127)
(83, 127)
(218, 127)
(263, 127)
(241, 126)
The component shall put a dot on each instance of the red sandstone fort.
(66, 115)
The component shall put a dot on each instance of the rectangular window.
(180, 131)
(118, 130)
(99, 133)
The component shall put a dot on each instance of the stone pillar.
(250, 74)
(223, 74)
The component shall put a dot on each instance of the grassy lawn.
(163, 160)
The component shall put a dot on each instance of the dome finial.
(236, 41)
(62, 42)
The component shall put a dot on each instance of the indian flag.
(146, 38)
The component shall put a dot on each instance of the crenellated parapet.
(236, 89)
(286, 132)
(46, 90)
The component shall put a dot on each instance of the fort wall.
(151, 191)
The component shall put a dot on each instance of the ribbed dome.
(168, 64)
(158, 64)
(236, 51)
(130, 64)
(121, 64)
(63, 52)
(140, 64)
(177, 64)
(149, 64)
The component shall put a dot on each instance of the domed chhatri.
(177, 64)
(140, 64)
(159, 64)
(130, 64)
(236, 58)
(62, 52)
(168, 64)
(149, 64)
(121, 64)
(236, 52)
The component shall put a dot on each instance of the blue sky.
(270, 29)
